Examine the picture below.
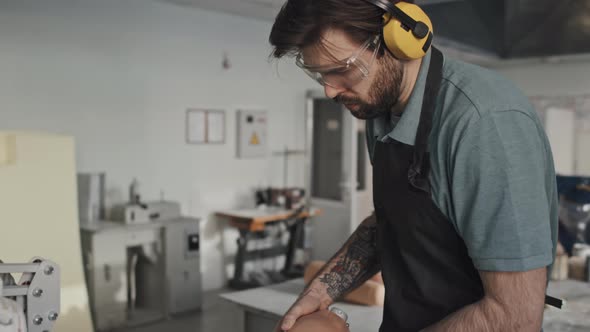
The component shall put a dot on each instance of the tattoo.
(356, 262)
(309, 290)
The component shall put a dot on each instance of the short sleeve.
(499, 193)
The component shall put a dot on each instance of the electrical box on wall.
(252, 127)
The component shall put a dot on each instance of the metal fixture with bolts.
(53, 316)
(37, 291)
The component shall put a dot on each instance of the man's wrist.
(318, 290)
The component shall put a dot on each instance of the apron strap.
(420, 167)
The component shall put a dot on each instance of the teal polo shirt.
(492, 171)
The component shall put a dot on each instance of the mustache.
(347, 100)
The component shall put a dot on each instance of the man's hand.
(320, 321)
(309, 302)
(351, 266)
(513, 301)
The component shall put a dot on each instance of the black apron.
(426, 269)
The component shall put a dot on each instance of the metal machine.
(141, 260)
(574, 212)
(140, 270)
(32, 304)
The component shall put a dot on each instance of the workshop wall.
(119, 75)
(550, 79)
(566, 78)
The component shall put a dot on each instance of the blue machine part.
(569, 187)
(574, 210)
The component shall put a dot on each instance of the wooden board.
(255, 220)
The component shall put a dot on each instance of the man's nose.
(332, 92)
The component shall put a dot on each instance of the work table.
(264, 306)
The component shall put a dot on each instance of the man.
(465, 221)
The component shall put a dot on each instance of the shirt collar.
(405, 129)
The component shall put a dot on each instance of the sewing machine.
(141, 259)
(141, 270)
(32, 304)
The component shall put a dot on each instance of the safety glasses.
(346, 73)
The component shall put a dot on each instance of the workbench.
(251, 224)
(254, 220)
(263, 307)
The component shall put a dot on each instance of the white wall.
(550, 79)
(560, 126)
(570, 78)
(583, 142)
(118, 75)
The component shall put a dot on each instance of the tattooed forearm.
(356, 262)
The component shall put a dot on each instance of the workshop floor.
(218, 315)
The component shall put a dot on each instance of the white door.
(560, 125)
(582, 140)
(336, 173)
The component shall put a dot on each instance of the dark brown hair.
(301, 23)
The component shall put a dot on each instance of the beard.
(384, 93)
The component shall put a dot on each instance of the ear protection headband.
(408, 30)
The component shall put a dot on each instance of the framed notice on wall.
(205, 126)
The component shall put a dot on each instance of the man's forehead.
(334, 45)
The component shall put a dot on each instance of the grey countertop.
(276, 299)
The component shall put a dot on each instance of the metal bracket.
(38, 291)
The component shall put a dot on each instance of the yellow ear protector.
(408, 30)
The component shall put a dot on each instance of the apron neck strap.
(420, 167)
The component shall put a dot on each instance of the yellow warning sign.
(254, 139)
